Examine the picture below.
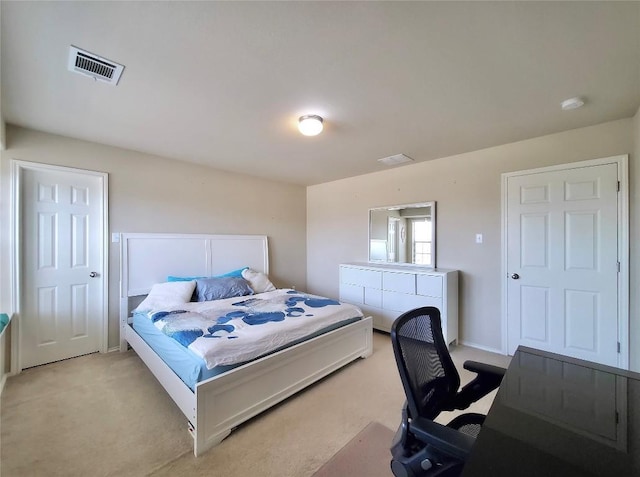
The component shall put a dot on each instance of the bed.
(215, 405)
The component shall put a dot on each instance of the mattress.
(240, 329)
(189, 367)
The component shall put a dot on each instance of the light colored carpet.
(366, 455)
(106, 415)
(96, 415)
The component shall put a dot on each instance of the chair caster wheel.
(426, 464)
(400, 470)
(405, 469)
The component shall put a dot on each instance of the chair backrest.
(428, 375)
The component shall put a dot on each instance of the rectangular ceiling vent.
(94, 66)
(395, 160)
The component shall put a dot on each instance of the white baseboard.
(483, 348)
(2, 381)
(115, 348)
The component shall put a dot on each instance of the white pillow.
(258, 281)
(167, 294)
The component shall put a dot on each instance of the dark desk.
(558, 416)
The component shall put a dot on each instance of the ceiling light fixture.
(310, 124)
(572, 103)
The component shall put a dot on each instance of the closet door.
(62, 311)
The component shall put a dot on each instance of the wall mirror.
(403, 234)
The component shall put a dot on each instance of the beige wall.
(144, 198)
(467, 190)
(152, 194)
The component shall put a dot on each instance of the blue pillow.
(217, 288)
(233, 273)
(171, 278)
(4, 321)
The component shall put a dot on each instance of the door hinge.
(617, 418)
(618, 264)
(618, 347)
(618, 186)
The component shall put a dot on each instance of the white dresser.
(385, 291)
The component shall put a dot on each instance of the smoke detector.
(395, 160)
(94, 66)
(572, 103)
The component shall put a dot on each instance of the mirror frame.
(431, 204)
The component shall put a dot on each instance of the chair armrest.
(445, 439)
(484, 368)
(488, 378)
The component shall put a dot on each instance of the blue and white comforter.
(235, 330)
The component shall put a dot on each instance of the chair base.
(424, 464)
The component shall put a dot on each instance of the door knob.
(93, 274)
(515, 276)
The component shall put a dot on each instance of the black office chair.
(431, 383)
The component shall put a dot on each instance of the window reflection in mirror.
(403, 234)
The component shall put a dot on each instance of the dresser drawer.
(351, 293)
(358, 276)
(399, 282)
(373, 297)
(429, 285)
(401, 302)
(430, 301)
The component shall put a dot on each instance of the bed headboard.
(146, 259)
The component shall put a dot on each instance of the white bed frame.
(221, 403)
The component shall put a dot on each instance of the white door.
(562, 262)
(62, 302)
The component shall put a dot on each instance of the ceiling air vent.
(393, 160)
(94, 66)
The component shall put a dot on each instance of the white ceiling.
(223, 83)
